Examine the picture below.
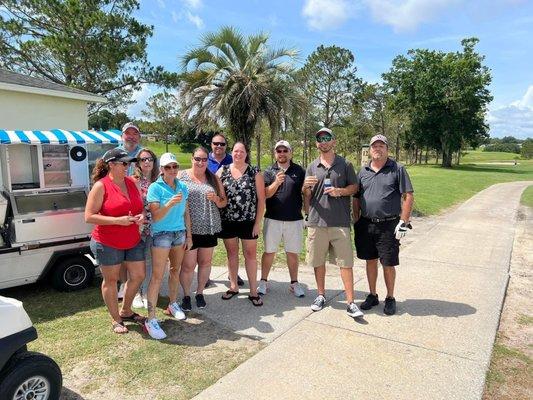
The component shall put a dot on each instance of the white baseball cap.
(168, 158)
(283, 143)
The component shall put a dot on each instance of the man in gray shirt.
(381, 219)
(330, 181)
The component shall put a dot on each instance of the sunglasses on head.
(144, 159)
(200, 159)
(282, 151)
(324, 139)
(124, 163)
(169, 167)
(220, 144)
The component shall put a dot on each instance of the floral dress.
(145, 228)
(241, 194)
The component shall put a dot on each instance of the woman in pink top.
(115, 207)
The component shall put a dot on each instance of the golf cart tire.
(72, 273)
(30, 365)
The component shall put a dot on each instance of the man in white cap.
(329, 183)
(283, 218)
(381, 219)
(131, 139)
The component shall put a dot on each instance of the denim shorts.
(106, 256)
(167, 239)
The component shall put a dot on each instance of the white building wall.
(28, 111)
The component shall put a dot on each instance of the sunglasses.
(282, 151)
(219, 144)
(169, 167)
(124, 163)
(200, 159)
(149, 159)
(324, 139)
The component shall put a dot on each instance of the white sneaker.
(138, 301)
(353, 311)
(318, 303)
(121, 291)
(154, 330)
(176, 311)
(297, 289)
(262, 287)
(145, 302)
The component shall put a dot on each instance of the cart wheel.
(73, 273)
(31, 375)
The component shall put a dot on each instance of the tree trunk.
(258, 150)
(427, 151)
(447, 158)
(397, 150)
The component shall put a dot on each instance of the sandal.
(138, 319)
(256, 301)
(229, 295)
(119, 328)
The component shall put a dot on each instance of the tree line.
(431, 104)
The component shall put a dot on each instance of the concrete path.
(450, 289)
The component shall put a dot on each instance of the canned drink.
(327, 183)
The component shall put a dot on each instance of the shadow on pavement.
(67, 394)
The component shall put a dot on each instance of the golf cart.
(44, 183)
(24, 374)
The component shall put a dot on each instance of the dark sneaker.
(200, 301)
(390, 306)
(186, 303)
(318, 303)
(371, 301)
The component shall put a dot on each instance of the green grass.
(478, 156)
(527, 197)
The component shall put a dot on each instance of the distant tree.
(509, 139)
(237, 81)
(162, 109)
(505, 147)
(96, 45)
(105, 119)
(445, 96)
(527, 149)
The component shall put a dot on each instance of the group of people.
(148, 213)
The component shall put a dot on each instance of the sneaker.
(154, 330)
(390, 306)
(138, 301)
(297, 289)
(176, 311)
(353, 310)
(240, 282)
(200, 301)
(121, 290)
(145, 301)
(370, 301)
(186, 303)
(262, 287)
(319, 302)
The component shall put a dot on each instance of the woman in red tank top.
(115, 207)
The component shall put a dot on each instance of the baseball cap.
(377, 138)
(167, 158)
(324, 131)
(128, 125)
(117, 154)
(283, 143)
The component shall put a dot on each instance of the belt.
(384, 219)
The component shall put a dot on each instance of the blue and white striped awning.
(60, 136)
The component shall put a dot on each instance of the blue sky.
(374, 30)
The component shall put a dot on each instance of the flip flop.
(256, 301)
(229, 295)
(138, 319)
(119, 328)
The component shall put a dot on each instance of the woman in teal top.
(171, 236)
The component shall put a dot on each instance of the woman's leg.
(205, 257)
(159, 261)
(148, 266)
(136, 272)
(249, 248)
(111, 274)
(232, 250)
(176, 257)
(187, 271)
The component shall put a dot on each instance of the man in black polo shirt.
(381, 219)
(283, 218)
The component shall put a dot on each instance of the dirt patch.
(511, 375)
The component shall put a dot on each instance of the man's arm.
(356, 209)
(407, 206)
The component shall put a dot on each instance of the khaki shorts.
(335, 240)
(291, 232)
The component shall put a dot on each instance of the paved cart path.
(450, 289)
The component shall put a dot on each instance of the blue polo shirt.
(160, 192)
(213, 165)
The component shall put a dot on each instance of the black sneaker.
(200, 301)
(186, 303)
(240, 282)
(390, 306)
(371, 301)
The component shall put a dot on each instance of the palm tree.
(236, 80)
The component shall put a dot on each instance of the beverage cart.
(44, 183)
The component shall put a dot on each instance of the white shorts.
(291, 232)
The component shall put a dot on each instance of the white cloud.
(406, 15)
(175, 16)
(193, 4)
(195, 19)
(326, 14)
(161, 3)
(515, 119)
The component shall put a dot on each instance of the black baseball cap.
(117, 154)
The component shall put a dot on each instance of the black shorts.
(203, 241)
(237, 229)
(377, 240)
